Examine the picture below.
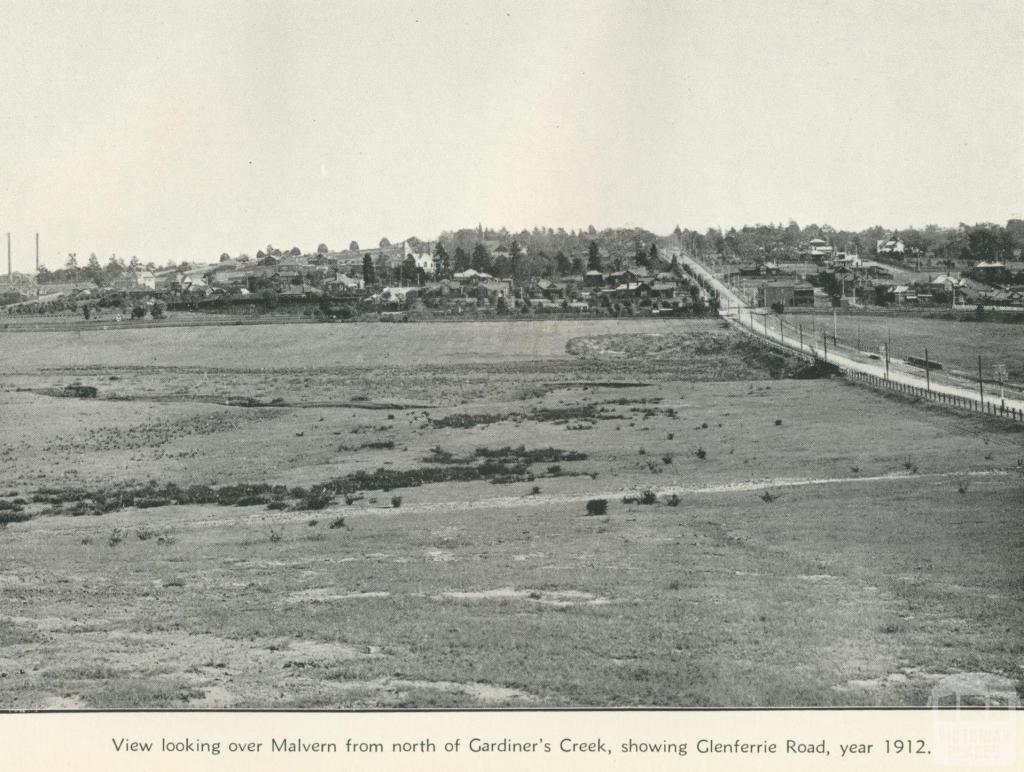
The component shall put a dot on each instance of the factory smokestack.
(37, 253)
(10, 273)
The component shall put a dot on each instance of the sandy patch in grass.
(549, 597)
(966, 683)
(488, 693)
(329, 594)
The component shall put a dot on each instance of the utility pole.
(37, 252)
(801, 328)
(927, 371)
(824, 338)
(835, 326)
(10, 273)
(981, 383)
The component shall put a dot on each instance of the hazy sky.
(179, 130)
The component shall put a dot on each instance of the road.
(763, 323)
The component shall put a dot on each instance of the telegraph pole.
(37, 252)
(981, 384)
(10, 273)
(927, 371)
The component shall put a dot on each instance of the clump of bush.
(597, 507)
(648, 497)
(13, 517)
(396, 502)
(700, 453)
(317, 498)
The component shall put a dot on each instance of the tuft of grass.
(700, 453)
(767, 497)
(396, 502)
(275, 535)
(116, 537)
(648, 497)
(673, 500)
(338, 522)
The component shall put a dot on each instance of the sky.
(178, 130)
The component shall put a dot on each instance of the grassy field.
(417, 534)
(956, 344)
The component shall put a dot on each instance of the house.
(903, 293)
(890, 246)
(396, 295)
(343, 282)
(788, 294)
(422, 254)
(470, 276)
(664, 290)
(818, 250)
(134, 280)
(946, 282)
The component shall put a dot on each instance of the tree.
(640, 258)
(353, 246)
(384, 242)
(322, 249)
(562, 263)
(72, 263)
(652, 256)
(409, 270)
(462, 260)
(481, 259)
(593, 256)
(225, 257)
(517, 266)
(441, 262)
(369, 275)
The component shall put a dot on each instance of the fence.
(953, 400)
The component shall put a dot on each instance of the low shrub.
(597, 507)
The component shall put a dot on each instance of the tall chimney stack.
(10, 273)
(37, 253)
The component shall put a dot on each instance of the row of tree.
(964, 243)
